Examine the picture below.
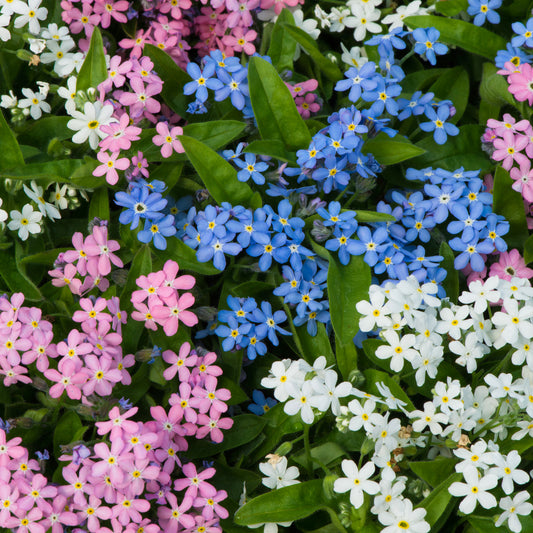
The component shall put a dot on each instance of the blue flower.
(471, 253)
(524, 34)
(371, 244)
(468, 221)
(234, 87)
(307, 158)
(358, 79)
(415, 106)
(306, 297)
(418, 225)
(253, 342)
(125, 403)
(251, 169)
(512, 54)
(268, 322)
(241, 309)
(232, 333)
(334, 217)
(312, 317)
(438, 124)
(440, 199)
(228, 155)
(391, 261)
(383, 97)
(213, 223)
(202, 81)
(483, 10)
(332, 174)
(342, 244)
(250, 228)
(140, 203)
(387, 41)
(352, 120)
(222, 62)
(261, 404)
(157, 231)
(426, 43)
(337, 143)
(216, 250)
(420, 260)
(495, 228)
(283, 222)
(277, 248)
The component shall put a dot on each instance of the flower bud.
(284, 448)
(357, 378)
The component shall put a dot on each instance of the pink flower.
(520, 83)
(240, 41)
(510, 265)
(118, 424)
(141, 99)
(25, 521)
(211, 425)
(167, 139)
(101, 376)
(143, 314)
(74, 346)
(115, 77)
(240, 12)
(78, 254)
(508, 149)
(208, 397)
(36, 491)
(78, 484)
(307, 104)
(109, 9)
(92, 312)
(13, 374)
(98, 246)
(67, 276)
(93, 512)
(182, 399)
(128, 509)
(170, 423)
(302, 88)
(109, 166)
(8, 500)
(151, 288)
(171, 268)
(137, 44)
(83, 19)
(172, 517)
(174, 311)
(196, 482)
(210, 506)
(508, 124)
(140, 165)
(120, 134)
(179, 363)
(138, 471)
(523, 180)
(67, 377)
(59, 517)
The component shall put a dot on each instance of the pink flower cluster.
(304, 98)
(520, 79)
(91, 259)
(158, 302)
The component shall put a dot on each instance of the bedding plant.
(264, 265)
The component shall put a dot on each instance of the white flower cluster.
(420, 329)
(25, 14)
(306, 387)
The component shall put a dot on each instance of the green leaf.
(325, 453)
(419, 79)
(326, 66)
(459, 151)
(59, 170)
(528, 250)
(433, 472)
(237, 394)
(484, 524)
(510, 204)
(99, 206)
(174, 78)
(14, 274)
(369, 347)
(11, 155)
(245, 429)
(347, 285)
(451, 8)
(494, 87)
(389, 152)
(316, 346)
(375, 376)
(373, 216)
(274, 108)
(43, 258)
(65, 429)
(460, 33)
(94, 70)
(283, 505)
(271, 148)
(232, 479)
(216, 134)
(451, 281)
(282, 46)
(454, 85)
(219, 177)
(437, 502)
(185, 256)
(41, 132)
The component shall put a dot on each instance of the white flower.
(477, 456)
(355, 57)
(417, 293)
(469, 352)
(5, 34)
(3, 214)
(270, 527)
(25, 222)
(57, 50)
(375, 313)
(44, 88)
(338, 19)
(301, 403)
(517, 288)
(506, 470)
(390, 490)
(526, 428)
(427, 362)
(59, 196)
(365, 18)
(402, 518)
(385, 432)
(501, 386)
(37, 46)
(328, 392)
(474, 490)
(356, 481)
(514, 321)
(513, 507)
(322, 16)
(8, 101)
(69, 93)
(366, 3)
(479, 293)
(308, 25)
(364, 415)
(36, 194)
(55, 33)
(30, 13)
(396, 20)
(458, 423)
(446, 395)
(390, 400)
(453, 320)
(68, 63)
(318, 367)
(428, 418)
(398, 349)
(7, 7)
(278, 475)
(285, 378)
(87, 124)
(35, 102)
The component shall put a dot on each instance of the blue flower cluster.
(483, 10)
(517, 51)
(263, 233)
(245, 325)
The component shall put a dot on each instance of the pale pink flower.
(509, 149)
(167, 139)
(109, 166)
(511, 264)
(67, 378)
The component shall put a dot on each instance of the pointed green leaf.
(347, 285)
(439, 502)
(454, 85)
(272, 149)
(389, 152)
(219, 177)
(494, 87)
(42, 258)
(99, 206)
(433, 472)
(217, 133)
(185, 256)
(274, 108)
(174, 78)
(460, 33)
(283, 505)
(59, 170)
(317, 345)
(14, 275)
(451, 281)
(40, 132)
(373, 216)
(11, 155)
(94, 70)
(528, 250)
(282, 45)
(65, 429)
(451, 8)
(510, 204)
(330, 69)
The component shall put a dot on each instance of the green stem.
(307, 446)
(335, 519)
(407, 56)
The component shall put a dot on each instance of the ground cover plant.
(264, 265)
